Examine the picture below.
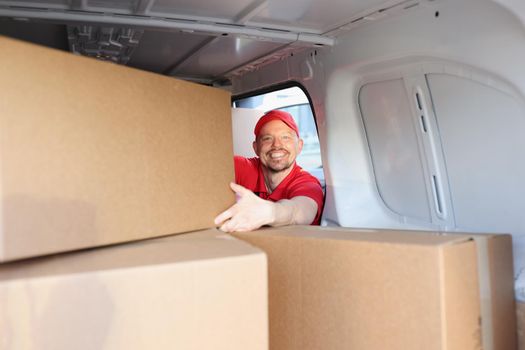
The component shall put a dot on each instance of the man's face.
(277, 146)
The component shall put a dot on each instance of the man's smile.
(275, 155)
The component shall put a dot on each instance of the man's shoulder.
(243, 163)
(302, 183)
(305, 184)
(246, 172)
(302, 175)
(246, 160)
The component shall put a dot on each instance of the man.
(272, 189)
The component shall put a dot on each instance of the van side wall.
(420, 116)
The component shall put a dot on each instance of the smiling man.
(271, 189)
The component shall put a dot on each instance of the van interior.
(412, 111)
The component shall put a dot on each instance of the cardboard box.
(203, 290)
(520, 308)
(379, 289)
(92, 153)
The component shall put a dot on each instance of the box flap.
(208, 244)
(367, 235)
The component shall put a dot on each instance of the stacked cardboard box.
(370, 289)
(92, 153)
(328, 288)
(202, 290)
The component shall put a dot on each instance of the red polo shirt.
(248, 173)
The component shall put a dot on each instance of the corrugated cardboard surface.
(461, 314)
(202, 290)
(92, 153)
(520, 308)
(499, 265)
(346, 289)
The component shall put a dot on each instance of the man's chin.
(277, 168)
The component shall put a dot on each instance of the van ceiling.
(199, 40)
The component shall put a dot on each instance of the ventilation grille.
(104, 43)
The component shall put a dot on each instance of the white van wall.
(244, 119)
(463, 149)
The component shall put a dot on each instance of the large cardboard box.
(203, 290)
(92, 153)
(379, 289)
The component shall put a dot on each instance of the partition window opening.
(293, 100)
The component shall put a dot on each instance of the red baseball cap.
(276, 114)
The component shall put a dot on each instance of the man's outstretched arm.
(251, 212)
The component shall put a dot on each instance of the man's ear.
(300, 144)
(254, 145)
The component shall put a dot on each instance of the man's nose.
(276, 142)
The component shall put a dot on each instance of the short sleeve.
(308, 186)
(246, 172)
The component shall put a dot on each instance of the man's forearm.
(296, 211)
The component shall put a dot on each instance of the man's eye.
(266, 139)
(286, 137)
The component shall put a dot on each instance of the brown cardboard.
(520, 309)
(496, 291)
(203, 290)
(92, 153)
(378, 289)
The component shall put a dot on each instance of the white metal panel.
(38, 3)
(482, 130)
(394, 149)
(517, 7)
(50, 35)
(224, 9)
(243, 123)
(316, 16)
(159, 50)
(128, 5)
(225, 54)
